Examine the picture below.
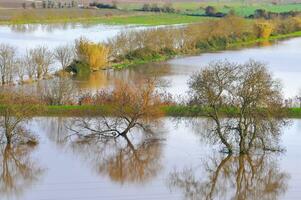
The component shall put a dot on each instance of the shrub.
(210, 11)
(78, 67)
(288, 25)
(94, 54)
(263, 29)
(143, 54)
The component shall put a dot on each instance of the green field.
(187, 13)
(104, 16)
(152, 19)
(241, 9)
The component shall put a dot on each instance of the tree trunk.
(8, 137)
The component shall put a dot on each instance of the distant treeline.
(166, 8)
(261, 13)
(104, 5)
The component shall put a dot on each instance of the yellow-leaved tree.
(94, 54)
(263, 29)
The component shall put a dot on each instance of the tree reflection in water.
(123, 160)
(17, 171)
(244, 177)
(134, 158)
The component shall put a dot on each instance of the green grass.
(136, 62)
(240, 8)
(271, 39)
(172, 110)
(103, 16)
(153, 19)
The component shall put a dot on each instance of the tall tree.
(252, 92)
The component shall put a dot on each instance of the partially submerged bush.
(94, 54)
(78, 67)
(263, 29)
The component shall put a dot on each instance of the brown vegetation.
(131, 106)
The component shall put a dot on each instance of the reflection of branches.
(104, 127)
(263, 134)
(122, 159)
(234, 177)
(17, 170)
(131, 158)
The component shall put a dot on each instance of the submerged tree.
(254, 96)
(64, 55)
(16, 110)
(130, 105)
(59, 91)
(42, 58)
(7, 63)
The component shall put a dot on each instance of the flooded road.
(178, 164)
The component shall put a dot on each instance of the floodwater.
(282, 57)
(52, 35)
(178, 165)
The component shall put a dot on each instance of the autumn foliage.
(263, 29)
(94, 54)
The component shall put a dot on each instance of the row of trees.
(39, 62)
(208, 35)
(51, 4)
(143, 45)
(166, 8)
(35, 64)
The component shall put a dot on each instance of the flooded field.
(52, 35)
(175, 163)
(281, 57)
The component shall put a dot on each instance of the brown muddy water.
(178, 164)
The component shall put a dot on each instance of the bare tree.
(29, 64)
(42, 58)
(132, 105)
(58, 91)
(252, 92)
(7, 62)
(65, 55)
(20, 69)
(17, 110)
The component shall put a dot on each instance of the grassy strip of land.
(115, 17)
(171, 110)
(231, 46)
